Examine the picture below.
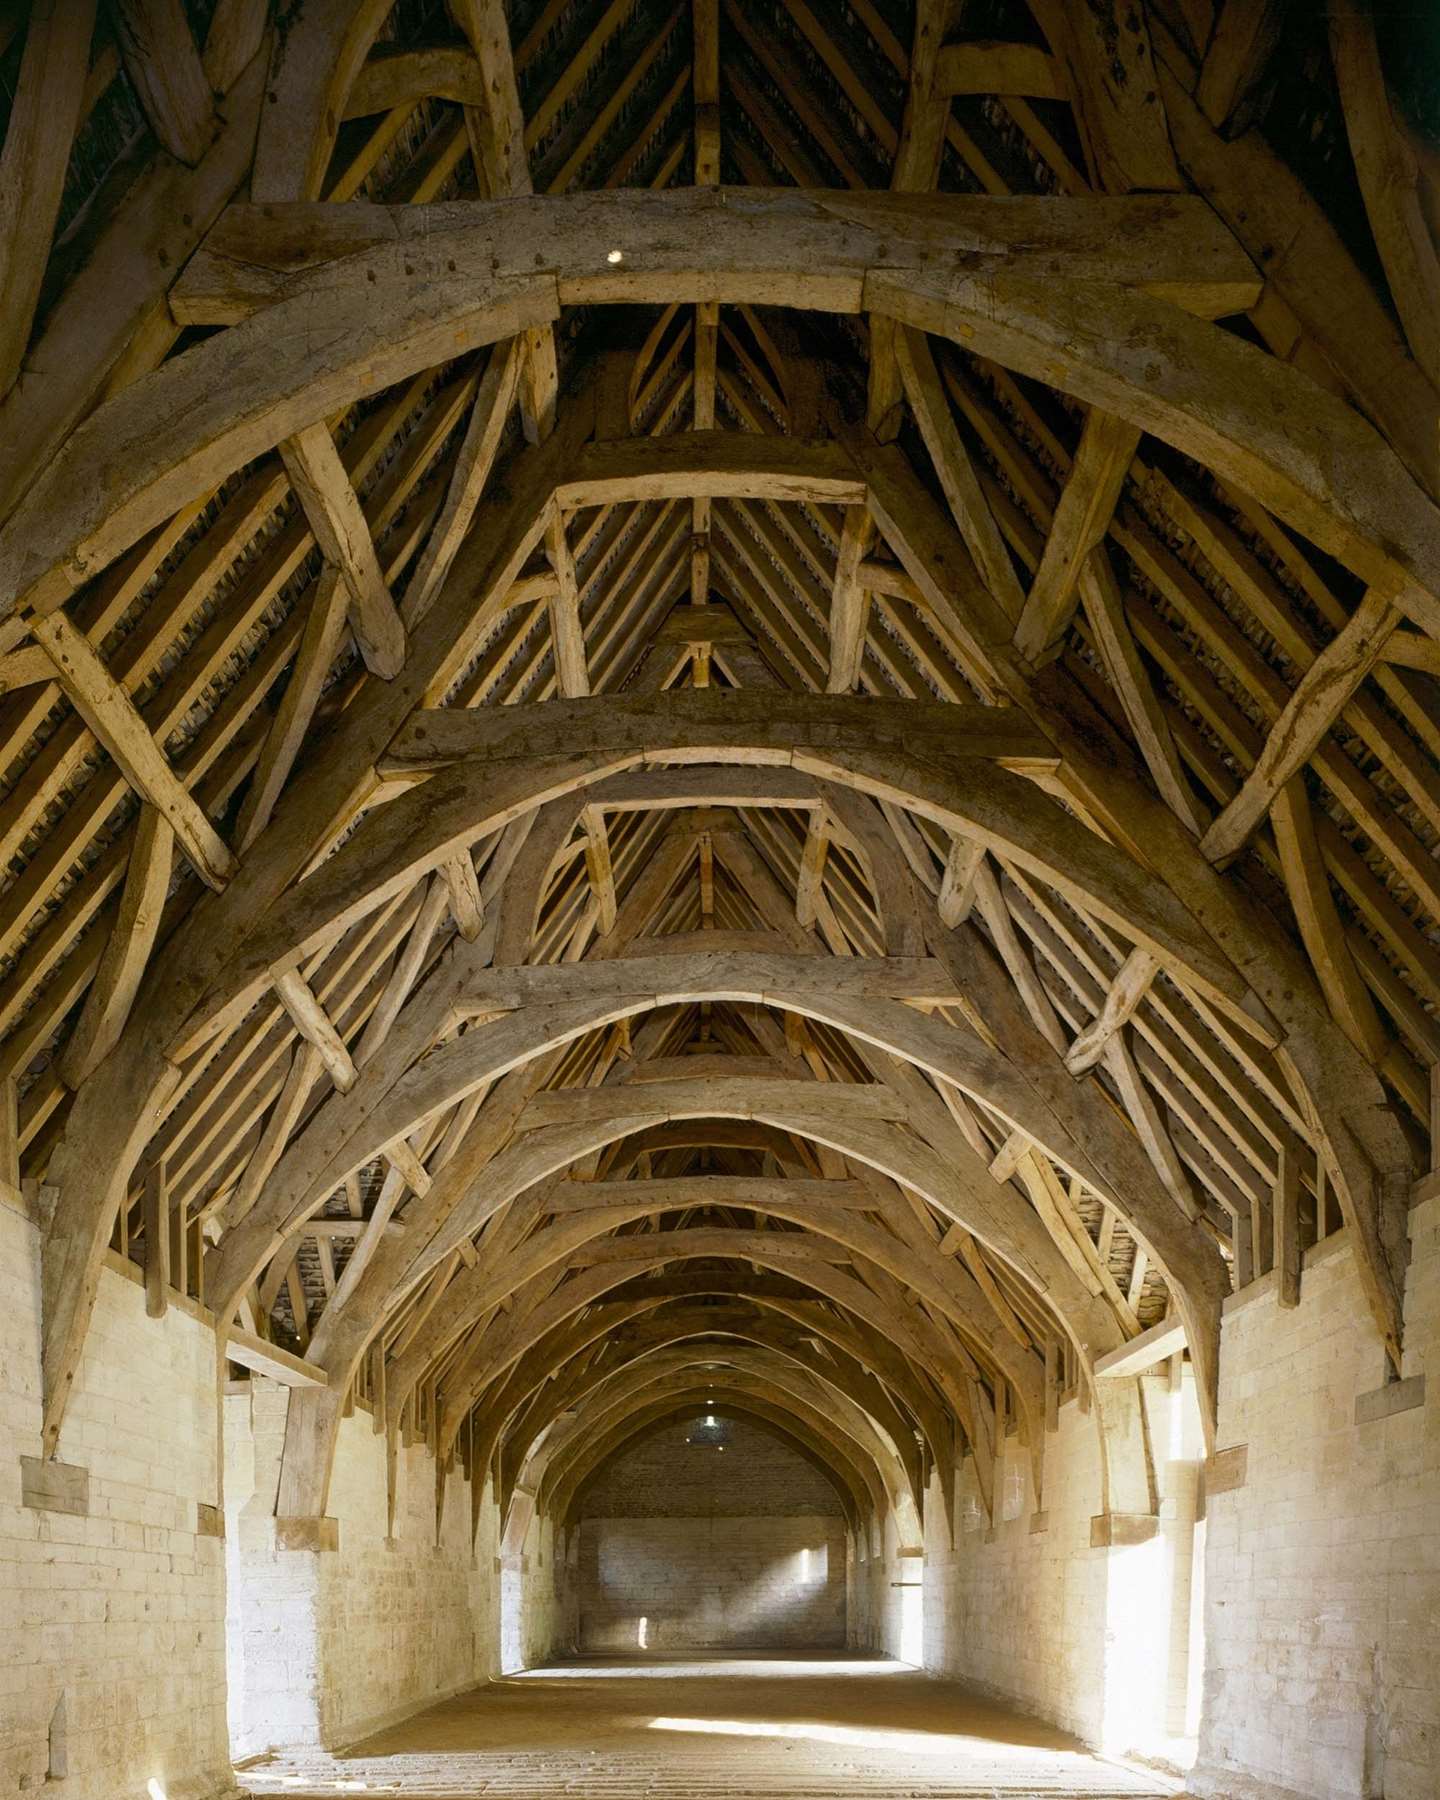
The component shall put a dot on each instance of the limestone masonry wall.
(1098, 1640)
(1323, 1586)
(882, 1614)
(112, 1655)
(687, 1543)
(1312, 1553)
(538, 1599)
(333, 1644)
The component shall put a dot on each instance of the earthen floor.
(669, 1728)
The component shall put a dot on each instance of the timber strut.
(736, 702)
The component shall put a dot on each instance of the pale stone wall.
(412, 1617)
(1097, 1640)
(1021, 1612)
(669, 1476)
(328, 1646)
(114, 1616)
(685, 1543)
(1316, 1581)
(718, 1583)
(1323, 1585)
(538, 1613)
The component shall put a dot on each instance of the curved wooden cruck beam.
(879, 1478)
(536, 1155)
(543, 1399)
(415, 294)
(1106, 1157)
(544, 1388)
(947, 1288)
(940, 762)
(168, 438)
(314, 1415)
(788, 1429)
(736, 1368)
(883, 1344)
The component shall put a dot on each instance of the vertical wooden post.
(179, 1244)
(1435, 1118)
(1052, 1385)
(1286, 1223)
(1261, 1232)
(9, 1134)
(1244, 1263)
(377, 1385)
(157, 1241)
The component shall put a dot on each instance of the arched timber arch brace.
(756, 1338)
(948, 1289)
(852, 1493)
(315, 1413)
(848, 1427)
(164, 441)
(1108, 1158)
(882, 1346)
(863, 1474)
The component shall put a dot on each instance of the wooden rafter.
(875, 927)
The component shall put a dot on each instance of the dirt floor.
(820, 1728)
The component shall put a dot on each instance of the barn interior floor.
(727, 1726)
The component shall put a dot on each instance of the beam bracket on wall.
(307, 1534)
(49, 1486)
(1394, 1397)
(1109, 1530)
(1226, 1470)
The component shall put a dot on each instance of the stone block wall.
(1097, 1639)
(1020, 1611)
(722, 1538)
(112, 1656)
(882, 1610)
(716, 1583)
(1323, 1579)
(330, 1645)
(538, 1597)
